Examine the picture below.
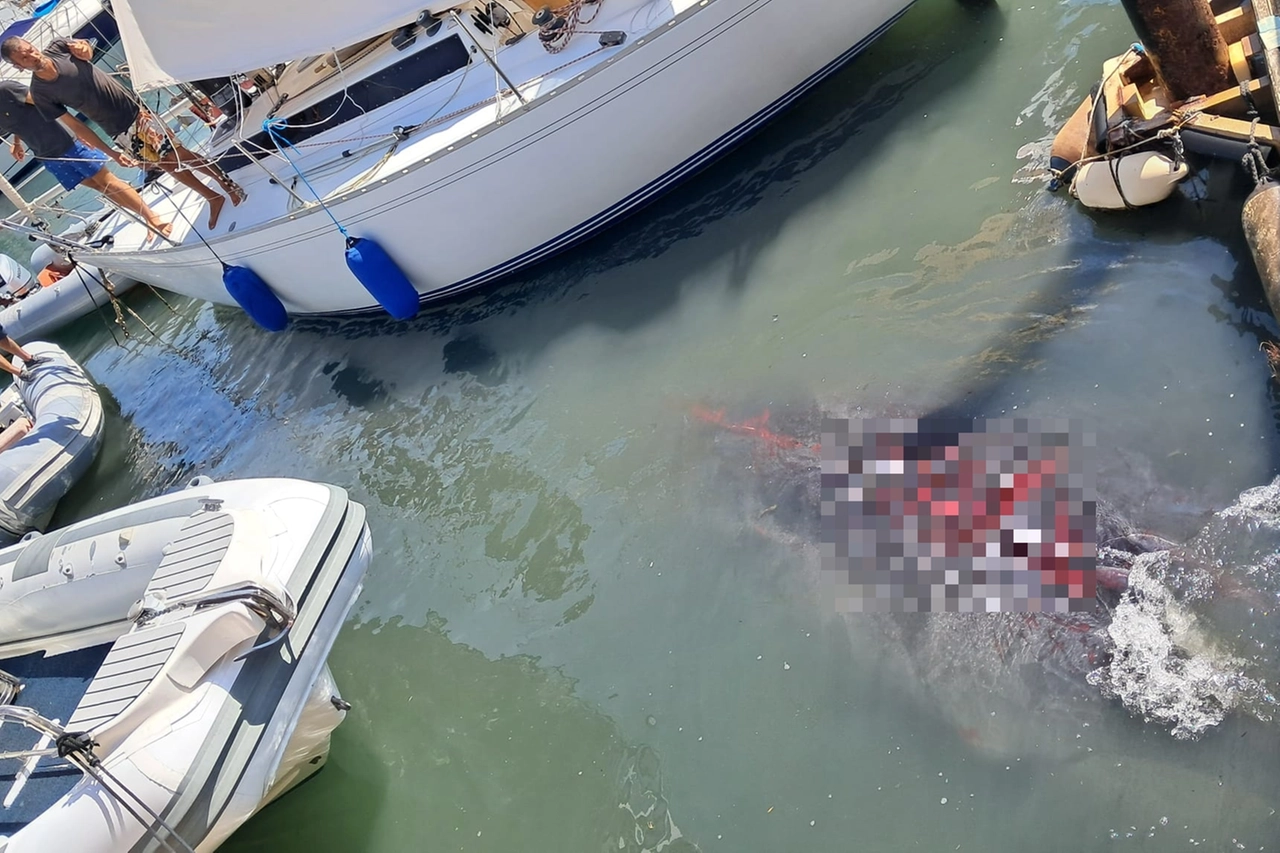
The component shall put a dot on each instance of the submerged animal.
(1025, 682)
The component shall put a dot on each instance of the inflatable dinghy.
(163, 667)
(66, 434)
(64, 291)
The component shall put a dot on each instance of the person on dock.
(63, 78)
(67, 158)
(14, 277)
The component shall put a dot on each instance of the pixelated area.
(967, 516)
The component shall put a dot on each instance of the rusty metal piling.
(1186, 49)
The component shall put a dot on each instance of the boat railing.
(32, 719)
(10, 687)
(277, 610)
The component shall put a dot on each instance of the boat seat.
(128, 669)
(189, 562)
(194, 555)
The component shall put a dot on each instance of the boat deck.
(53, 687)
(362, 152)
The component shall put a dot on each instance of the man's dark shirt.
(81, 87)
(18, 118)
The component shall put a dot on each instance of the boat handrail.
(278, 612)
(10, 687)
(32, 719)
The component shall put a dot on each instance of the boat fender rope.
(1254, 160)
(254, 296)
(273, 126)
(1113, 167)
(1251, 107)
(368, 261)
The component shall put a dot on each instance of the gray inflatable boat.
(47, 309)
(66, 435)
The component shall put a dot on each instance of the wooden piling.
(1261, 220)
(1186, 49)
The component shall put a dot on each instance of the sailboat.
(467, 139)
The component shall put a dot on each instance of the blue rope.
(271, 126)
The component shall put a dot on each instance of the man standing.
(67, 158)
(63, 78)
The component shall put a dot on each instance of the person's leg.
(14, 433)
(187, 179)
(183, 165)
(182, 156)
(127, 197)
(12, 347)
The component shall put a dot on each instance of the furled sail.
(171, 41)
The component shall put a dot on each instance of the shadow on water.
(1100, 252)
(354, 384)
(926, 58)
(472, 355)
(1088, 272)
(469, 759)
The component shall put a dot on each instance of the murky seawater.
(575, 638)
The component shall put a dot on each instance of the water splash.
(1169, 665)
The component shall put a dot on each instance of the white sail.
(171, 41)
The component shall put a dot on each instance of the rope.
(1113, 168)
(1254, 160)
(116, 302)
(190, 225)
(110, 296)
(1169, 134)
(270, 125)
(556, 34)
(78, 749)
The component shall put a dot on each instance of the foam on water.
(1165, 667)
(1176, 660)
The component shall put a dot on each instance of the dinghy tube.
(65, 438)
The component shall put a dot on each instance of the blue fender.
(256, 298)
(380, 275)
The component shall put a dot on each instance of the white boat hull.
(598, 148)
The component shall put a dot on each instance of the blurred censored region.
(959, 516)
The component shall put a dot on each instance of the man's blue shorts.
(80, 162)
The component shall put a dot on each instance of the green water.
(572, 636)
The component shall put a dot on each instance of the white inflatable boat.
(59, 296)
(163, 669)
(66, 434)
